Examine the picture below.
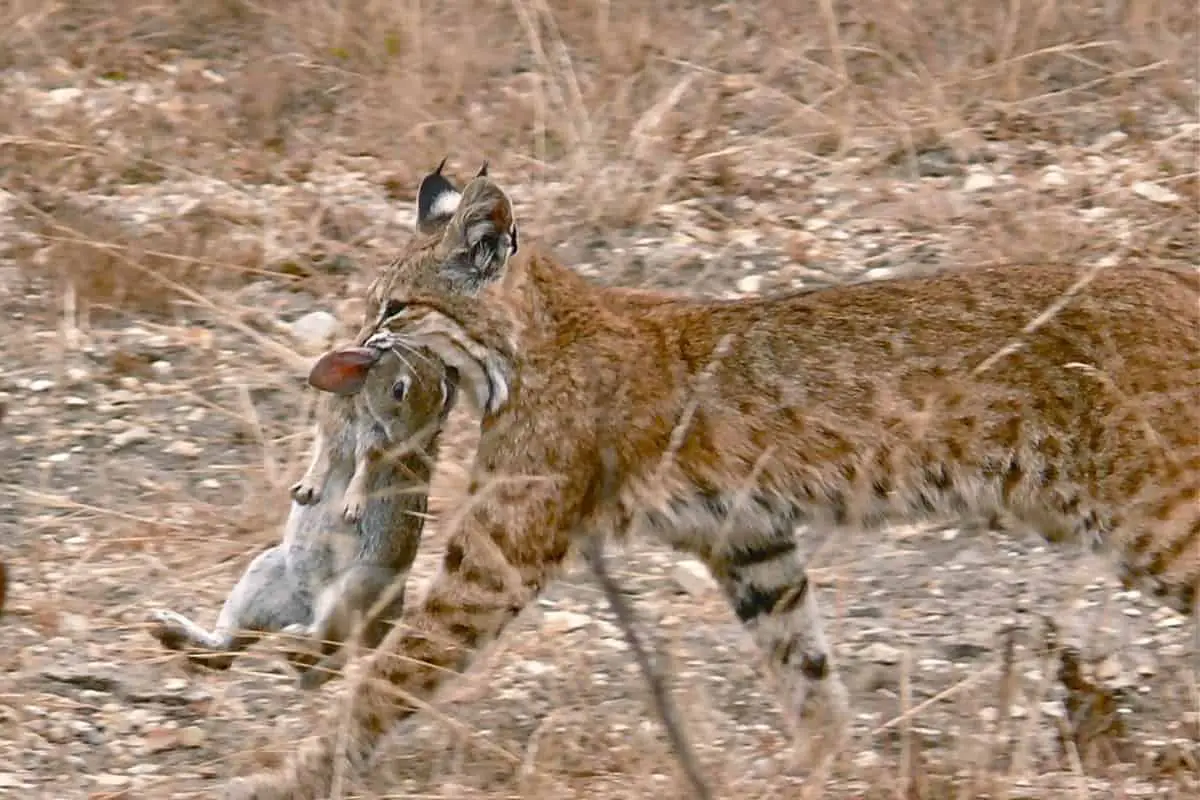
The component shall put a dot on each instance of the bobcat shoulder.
(1061, 396)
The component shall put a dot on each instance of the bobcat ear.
(437, 199)
(481, 236)
(343, 371)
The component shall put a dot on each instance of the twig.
(593, 553)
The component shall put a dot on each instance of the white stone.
(979, 181)
(693, 577)
(1155, 193)
(749, 284)
(315, 330)
(1054, 177)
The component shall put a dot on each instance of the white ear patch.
(445, 204)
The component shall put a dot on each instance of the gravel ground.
(153, 426)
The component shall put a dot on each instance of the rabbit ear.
(343, 371)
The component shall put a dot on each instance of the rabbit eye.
(400, 388)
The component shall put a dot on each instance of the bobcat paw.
(821, 726)
(305, 493)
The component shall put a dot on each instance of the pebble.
(41, 385)
(559, 622)
(693, 578)
(315, 330)
(979, 181)
(749, 284)
(1155, 193)
(881, 653)
(1109, 140)
(1053, 177)
(130, 436)
(192, 736)
(184, 448)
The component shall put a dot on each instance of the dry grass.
(194, 172)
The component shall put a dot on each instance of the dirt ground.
(193, 196)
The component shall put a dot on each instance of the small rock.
(749, 284)
(161, 368)
(315, 330)
(693, 578)
(881, 653)
(64, 95)
(158, 740)
(1054, 708)
(559, 622)
(184, 448)
(879, 273)
(979, 181)
(1054, 177)
(536, 668)
(1109, 140)
(111, 781)
(1109, 669)
(1155, 193)
(10, 781)
(41, 385)
(192, 736)
(75, 402)
(130, 436)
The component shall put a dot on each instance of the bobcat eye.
(400, 388)
(392, 308)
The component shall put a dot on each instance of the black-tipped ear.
(437, 200)
(480, 238)
(482, 171)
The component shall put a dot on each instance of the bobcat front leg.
(307, 490)
(509, 543)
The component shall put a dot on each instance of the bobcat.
(1062, 397)
(333, 565)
